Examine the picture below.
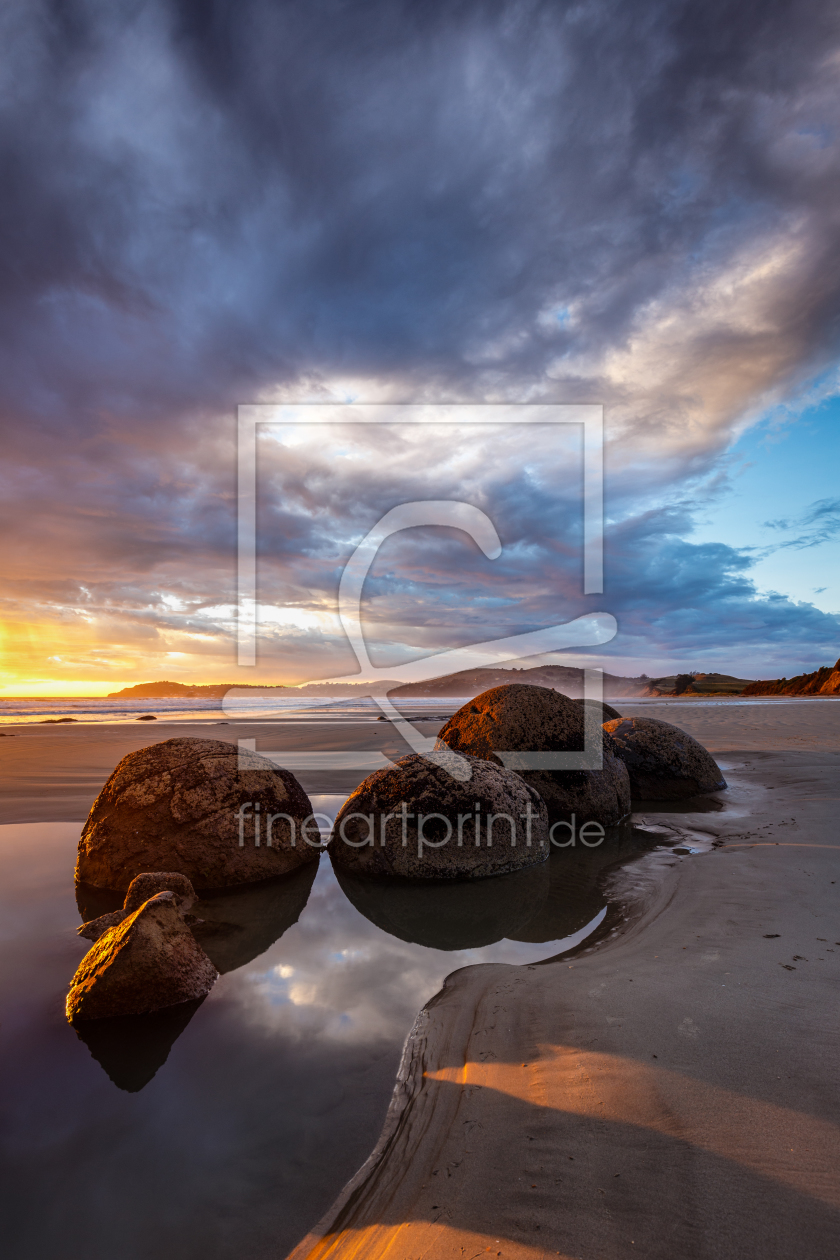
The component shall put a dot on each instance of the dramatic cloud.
(209, 203)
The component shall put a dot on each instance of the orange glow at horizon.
(75, 655)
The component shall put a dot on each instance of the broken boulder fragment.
(144, 886)
(147, 962)
(140, 890)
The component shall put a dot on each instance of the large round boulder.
(521, 719)
(149, 961)
(664, 762)
(200, 807)
(416, 820)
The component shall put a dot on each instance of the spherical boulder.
(664, 762)
(416, 820)
(149, 961)
(521, 719)
(200, 807)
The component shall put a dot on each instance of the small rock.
(144, 886)
(664, 762)
(201, 807)
(145, 963)
(94, 928)
(520, 718)
(140, 890)
(406, 821)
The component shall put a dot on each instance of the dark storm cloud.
(207, 203)
(203, 199)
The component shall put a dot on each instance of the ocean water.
(176, 710)
(313, 708)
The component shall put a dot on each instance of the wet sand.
(669, 1093)
(53, 773)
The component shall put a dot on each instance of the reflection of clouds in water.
(336, 976)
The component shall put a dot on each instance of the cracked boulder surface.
(663, 761)
(521, 718)
(375, 835)
(174, 806)
(146, 963)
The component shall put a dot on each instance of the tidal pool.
(225, 1128)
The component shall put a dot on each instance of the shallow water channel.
(226, 1128)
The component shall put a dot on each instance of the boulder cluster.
(516, 770)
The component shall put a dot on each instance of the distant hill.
(824, 681)
(697, 685)
(217, 691)
(174, 690)
(564, 678)
(338, 689)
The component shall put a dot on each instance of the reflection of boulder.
(574, 897)
(664, 762)
(131, 1048)
(242, 923)
(416, 820)
(517, 718)
(218, 814)
(94, 902)
(449, 914)
(149, 961)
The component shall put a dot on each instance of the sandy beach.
(668, 1092)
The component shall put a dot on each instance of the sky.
(208, 204)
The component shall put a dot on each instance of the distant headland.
(824, 681)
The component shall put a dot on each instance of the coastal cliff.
(824, 681)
